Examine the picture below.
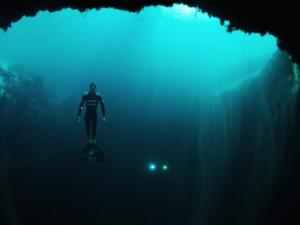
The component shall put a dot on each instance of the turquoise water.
(157, 45)
(191, 131)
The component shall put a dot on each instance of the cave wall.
(278, 18)
(243, 166)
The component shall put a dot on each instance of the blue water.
(175, 46)
(177, 87)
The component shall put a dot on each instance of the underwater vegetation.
(23, 103)
(21, 94)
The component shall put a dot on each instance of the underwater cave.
(202, 116)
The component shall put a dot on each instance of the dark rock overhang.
(278, 18)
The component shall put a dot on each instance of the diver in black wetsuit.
(91, 100)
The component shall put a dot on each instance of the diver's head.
(93, 87)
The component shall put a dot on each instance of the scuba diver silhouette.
(91, 99)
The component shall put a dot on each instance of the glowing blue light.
(152, 167)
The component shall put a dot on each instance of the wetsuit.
(91, 100)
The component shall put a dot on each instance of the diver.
(91, 99)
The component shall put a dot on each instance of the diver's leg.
(88, 126)
(94, 127)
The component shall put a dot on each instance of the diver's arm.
(102, 107)
(81, 106)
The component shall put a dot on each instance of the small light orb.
(165, 167)
(152, 167)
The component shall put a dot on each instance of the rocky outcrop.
(22, 98)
